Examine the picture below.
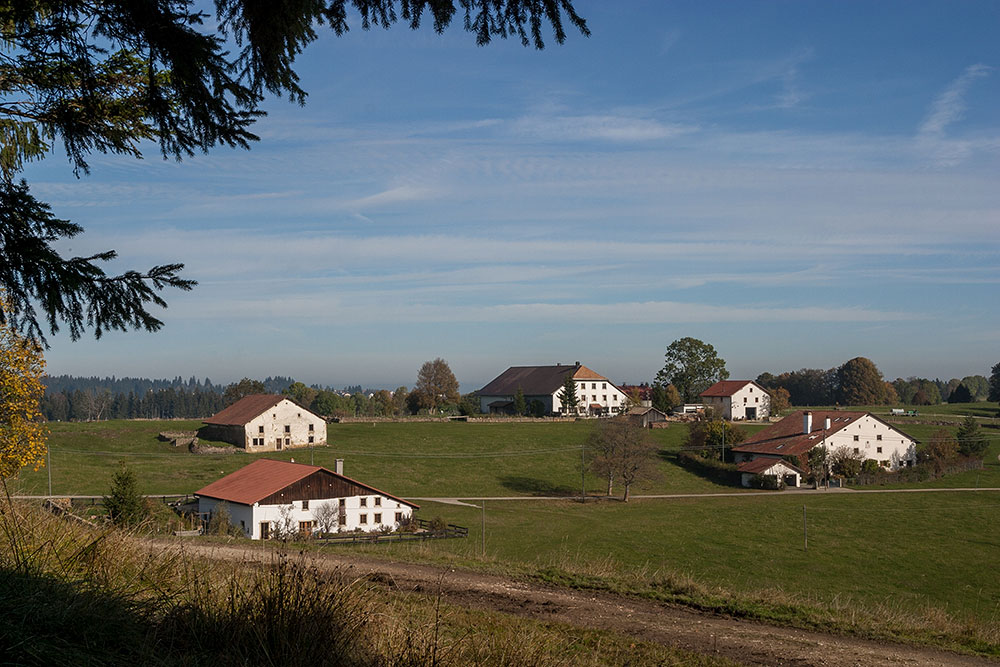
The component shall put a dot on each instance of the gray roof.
(535, 380)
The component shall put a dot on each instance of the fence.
(449, 531)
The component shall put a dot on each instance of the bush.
(767, 482)
(712, 469)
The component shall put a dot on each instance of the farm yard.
(913, 566)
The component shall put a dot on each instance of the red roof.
(265, 477)
(245, 409)
(762, 464)
(786, 438)
(728, 387)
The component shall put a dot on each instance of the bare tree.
(327, 516)
(621, 448)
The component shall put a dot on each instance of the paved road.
(463, 500)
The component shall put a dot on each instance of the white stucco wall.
(249, 518)
(589, 391)
(240, 516)
(874, 440)
(270, 426)
(734, 407)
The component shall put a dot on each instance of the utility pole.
(48, 465)
(482, 505)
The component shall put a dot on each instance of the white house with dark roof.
(270, 498)
(861, 432)
(266, 422)
(596, 395)
(738, 399)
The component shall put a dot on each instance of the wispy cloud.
(609, 127)
(946, 110)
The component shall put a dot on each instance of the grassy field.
(407, 459)
(900, 565)
(905, 566)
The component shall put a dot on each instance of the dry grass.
(95, 597)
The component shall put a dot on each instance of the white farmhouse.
(270, 498)
(861, 432)
(266, 423)
(738, 399)
(596, 395)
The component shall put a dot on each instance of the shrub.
(768, 482)
(124, 503)
(711, 468)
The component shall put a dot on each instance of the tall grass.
(75, 595)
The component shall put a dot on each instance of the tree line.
(69, 398)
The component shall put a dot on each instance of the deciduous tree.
(994, 393)
(692, 366)
(859, 382)
(845, 462)
(22, 432)
(243, 388)
(620, 448)
(436, 384)
(665, 397)
(108, 76)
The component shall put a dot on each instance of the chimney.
(826, 424)
(807, 422)
(578, 364)
(338, 466)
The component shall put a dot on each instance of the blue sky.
(797, 183)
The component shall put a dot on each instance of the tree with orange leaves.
(22, 431)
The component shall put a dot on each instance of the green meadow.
(907, 566)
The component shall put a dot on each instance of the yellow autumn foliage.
(22, 430)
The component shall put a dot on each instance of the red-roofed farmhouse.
(266, 423)
(271, 498)
(737, 399)
(861, 432)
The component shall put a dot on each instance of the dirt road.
(742, 641)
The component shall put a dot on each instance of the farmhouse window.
(378, 517)
(277, 443)
(399, 517)
(265, 530)
(260, 429)
(857, 451)
(856, 438)
(878, 437)
(364, 502)
(288, 441)
(604, 385)
(378, 501)
(343, 503)
(311, 428)
(342, 520)
(306, 527)
(311, 439)
(593, 385)
(604, 397)
(288, 428)
(878, 450)
(363, 519)
(744, 399)
(305, 504)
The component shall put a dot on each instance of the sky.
(796, 183)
